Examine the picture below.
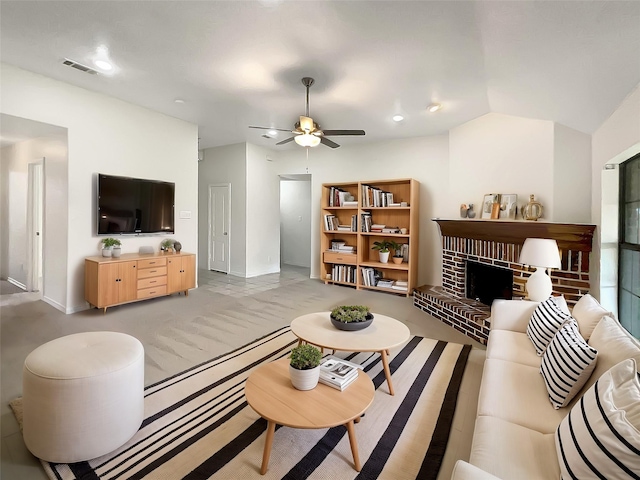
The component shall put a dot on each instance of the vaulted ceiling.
(240, 63)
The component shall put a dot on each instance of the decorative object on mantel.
(471, 212)
(463, 210)
(491, 206)
(541, 253)
(532, 210)
(351, 317)
(508, 206)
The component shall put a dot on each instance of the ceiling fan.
(306, 132)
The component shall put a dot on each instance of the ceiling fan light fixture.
(307, 140)
(397, 118)
(434, 107)
(273, 133)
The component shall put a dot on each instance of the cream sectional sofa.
(516, 422)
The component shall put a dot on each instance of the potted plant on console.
(397, 252)
(109, 245)
(383, 249)
(304, 368)
(167, 245)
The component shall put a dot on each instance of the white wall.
(499, 153)
(109, 136)
(617, 140)
(295, 222)
(571, 176)
(263, 213)
(224, 165)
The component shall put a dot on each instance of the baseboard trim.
(78, 308)
(15, 282)
(54, 304)
(274, 269)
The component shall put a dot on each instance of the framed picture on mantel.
(491, 206)
(508, 206)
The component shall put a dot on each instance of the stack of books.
(338, 373)
(385, 283)
(400, 285)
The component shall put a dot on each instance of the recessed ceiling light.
(398, 118)
(273, 133)
(101, 58)
(179, 100)
(434, 107)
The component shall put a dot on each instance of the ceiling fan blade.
(271, 128)
(328, 143)
(306, 123)
(329, 133)
(286, 140)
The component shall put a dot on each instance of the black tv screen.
(134, 206)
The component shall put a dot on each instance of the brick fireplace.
(497, 243)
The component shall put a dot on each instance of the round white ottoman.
(83, 395)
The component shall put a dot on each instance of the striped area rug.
(198, 425)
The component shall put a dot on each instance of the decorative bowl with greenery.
(350, 313)
(167, 244)
(304, 366)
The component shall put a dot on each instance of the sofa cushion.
(516, 393)
(545, 321)
(512, 347)
(567, 364)
(600, 438)
(511, 451)
(614, 345)
(588, 313)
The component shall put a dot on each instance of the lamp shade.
(307, 140)
(540, 252)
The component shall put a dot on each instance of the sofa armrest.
(465, 471)
(511, 315)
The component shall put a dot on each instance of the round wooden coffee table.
(269, 392)
(382, 335)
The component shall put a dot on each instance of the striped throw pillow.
(600, 437)
(545, 321)
(567, 364)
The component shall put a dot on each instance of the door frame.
(35, 225)
(211, 219)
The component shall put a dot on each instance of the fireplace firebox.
(485, 283)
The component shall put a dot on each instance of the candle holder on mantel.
(532, 210)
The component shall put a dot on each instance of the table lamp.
(541, 253)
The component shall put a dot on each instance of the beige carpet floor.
(178, 332)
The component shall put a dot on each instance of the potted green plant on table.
(304, 366)
(383, 249)
(109, 245)
(167, 245)
(351, 317)
(397, 252)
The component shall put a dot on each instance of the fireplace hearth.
(496, 244)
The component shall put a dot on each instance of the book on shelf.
(338, 373)
(384, 283)
(330, 222)
(391, 230)
(344, 228)
(344, 273)
(341, 198)
(366, 222)
(400, 285)
(352, 203)
(405, 252)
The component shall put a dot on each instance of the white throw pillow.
(600, 437)
(588, 312)
(567, 364)
(545, 321)
(561, 302)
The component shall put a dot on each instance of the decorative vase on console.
(532, 210)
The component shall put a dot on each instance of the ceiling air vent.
(79, 66)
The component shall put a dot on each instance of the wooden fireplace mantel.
(573, 236)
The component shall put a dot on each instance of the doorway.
(295, 220)
(35, 215)
(219, 232)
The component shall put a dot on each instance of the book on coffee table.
(338, 373)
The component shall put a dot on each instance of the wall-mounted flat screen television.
(134, 206)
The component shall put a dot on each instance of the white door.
(219, 218)
(34, 225)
